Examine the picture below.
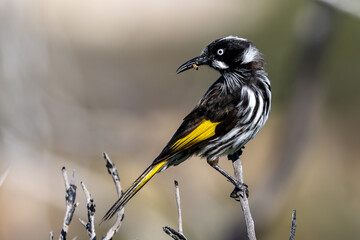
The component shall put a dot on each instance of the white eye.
(220, 52)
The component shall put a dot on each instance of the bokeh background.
(78, 78)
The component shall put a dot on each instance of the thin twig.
(293, 226)
(173, 233)
(177, 235)
(4, 175)
(250, 226)
(177, 196)
(70, 198)
(120, 214)
(90, 225)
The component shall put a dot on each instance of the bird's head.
(227, 54)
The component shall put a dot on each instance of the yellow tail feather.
(134, 188)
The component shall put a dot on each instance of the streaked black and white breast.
(242, 95)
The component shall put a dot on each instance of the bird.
(231, 112)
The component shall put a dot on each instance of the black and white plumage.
(231, 112)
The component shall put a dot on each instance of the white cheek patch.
(219, 64)
(250, 54)
(235, 38)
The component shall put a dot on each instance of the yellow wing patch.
(204, 131)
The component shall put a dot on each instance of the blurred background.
(78, 78)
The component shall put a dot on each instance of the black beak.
(193, 63)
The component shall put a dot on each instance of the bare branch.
(82, 222)
(177, 235)
(293, 226)
(4, 175)
(177, 196)
(250, 226)
(70, 198)
(120, 214)
(90, 225)
(66, 179)
(173, 233)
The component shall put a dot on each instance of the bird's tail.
(134, 188)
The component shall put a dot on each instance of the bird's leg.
(236, 155)
(236, 193)
(239, 187)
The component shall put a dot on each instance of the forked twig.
(70, 197)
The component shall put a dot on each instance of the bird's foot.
(239, 192)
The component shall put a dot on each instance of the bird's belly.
(231, 142)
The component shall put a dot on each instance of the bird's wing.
(202, 132)
(214, 116)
